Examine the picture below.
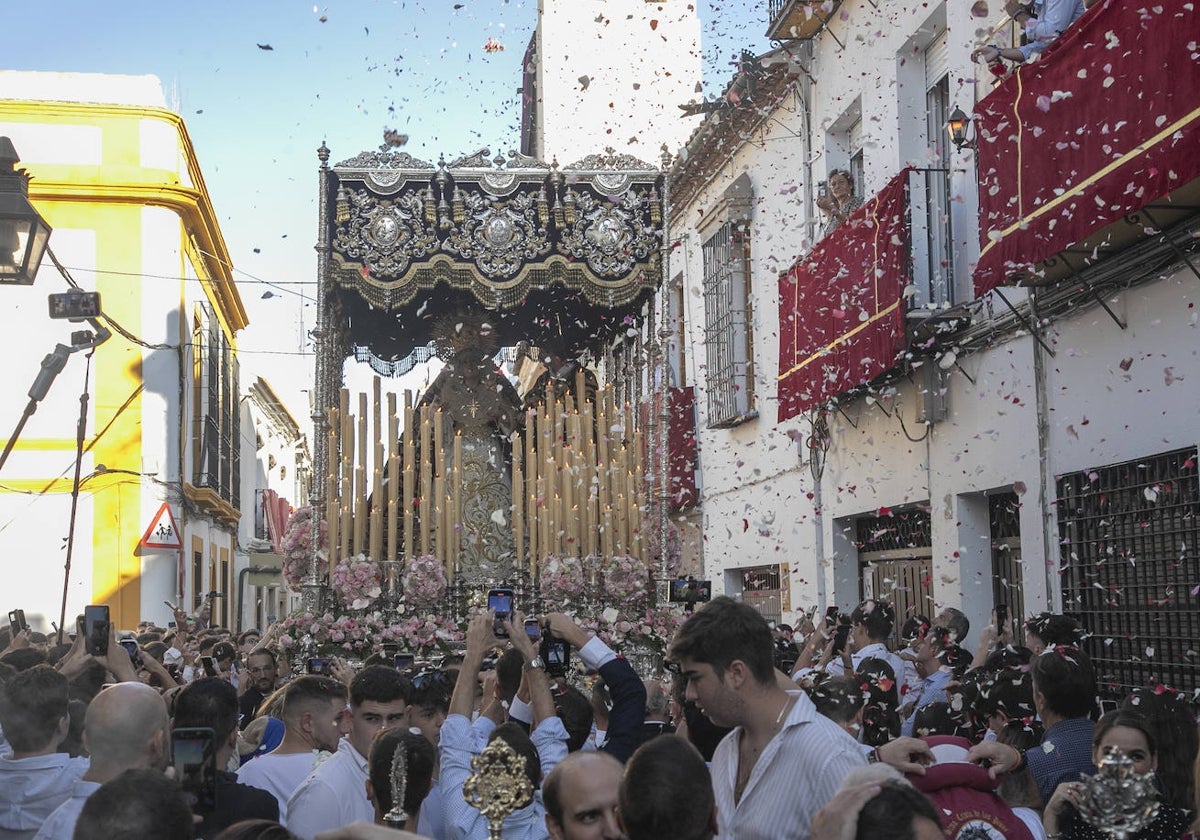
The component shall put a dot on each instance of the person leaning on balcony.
(839, 201)
(1048, 20)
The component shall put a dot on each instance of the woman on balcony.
(839, 201)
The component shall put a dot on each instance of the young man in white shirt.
(783, 760)
(314, 721)
(335, 794)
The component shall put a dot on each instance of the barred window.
(1130, 537)
(727, 327)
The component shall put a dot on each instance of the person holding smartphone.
(458, 746)
(625, 687)
(871, 623)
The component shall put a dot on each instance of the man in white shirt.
(870, 625)
(37, 778)
(335, 794)
(783, 760)
(314, 722)
(126, 727)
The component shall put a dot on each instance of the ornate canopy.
(557, 258)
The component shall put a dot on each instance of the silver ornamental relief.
(610, 238)
(385, 235)
(499, 237)
(385, 230)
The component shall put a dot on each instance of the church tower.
(610, 73)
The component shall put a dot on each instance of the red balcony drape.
(1105, 123)
(841, 310)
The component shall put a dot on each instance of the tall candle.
(410, 475)
(426, 461)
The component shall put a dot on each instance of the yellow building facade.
(115, 173)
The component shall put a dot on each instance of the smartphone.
(532, 630)
(194, 756)
(210, 667)
(131, 647)
(271, 619)
(95, 629)
(317, 666)
(822, 188)
(403, 661)
(1001, 618)
(500, 600)
(831, 617)
(557, 655)
(16, 621)
(171, 606)
(839, 639)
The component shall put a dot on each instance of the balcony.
(799, 20)
(842, 305)
(1091, 150)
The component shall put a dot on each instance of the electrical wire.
(117, 328)
(129, 336)
(232, 267)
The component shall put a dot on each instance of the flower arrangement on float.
(612, 602)
(357, 581)
(296, 546)
(424, 581)
(562, 581)
(366, 633)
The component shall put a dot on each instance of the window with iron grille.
(896, 554)
(761, 589)
(1004, 517)
(1130, 534)
(727, 331)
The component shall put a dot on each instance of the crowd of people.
(866, 731)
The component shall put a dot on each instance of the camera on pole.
(75, 305)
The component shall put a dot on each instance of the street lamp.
(956, 127)
(23, 233)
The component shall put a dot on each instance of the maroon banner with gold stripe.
(841, 311)
(1105, 123)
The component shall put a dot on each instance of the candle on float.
(393, 484)
(518, 515)
(426, 461)
(456, 508)
(410, 475)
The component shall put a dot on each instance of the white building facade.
(1026, 446)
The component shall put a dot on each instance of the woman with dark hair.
(1130, 733)
(1172, 721)
(839, 201)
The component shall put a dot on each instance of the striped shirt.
(798, 772)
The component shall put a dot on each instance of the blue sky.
(341, 72)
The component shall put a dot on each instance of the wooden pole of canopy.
(375, 540)
(360, 480)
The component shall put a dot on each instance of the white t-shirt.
(279, 774)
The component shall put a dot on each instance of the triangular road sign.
(162, 533)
